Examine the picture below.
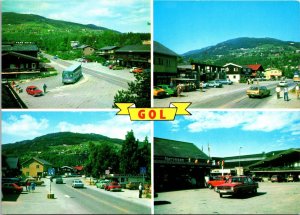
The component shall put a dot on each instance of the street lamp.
(240, 155)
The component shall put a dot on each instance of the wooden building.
(257, 70)
(108, 52)
(19, 59)
(134, 55)
(165, 64)
(35, 167)
(179, 165)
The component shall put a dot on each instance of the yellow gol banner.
(153, 114)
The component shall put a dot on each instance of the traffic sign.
(143, 170)
(51, 171)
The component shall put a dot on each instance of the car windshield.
(235, 180)
(253, 88)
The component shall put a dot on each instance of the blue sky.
(227, 131)
(19, 125)
(188, 25)
(121, 15)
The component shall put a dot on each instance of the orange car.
(137, 70)
(159, 92)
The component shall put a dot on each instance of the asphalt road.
(272, 198)
(94, 202)
(96, 89)
(229, 96)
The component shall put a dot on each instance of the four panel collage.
(150, 107)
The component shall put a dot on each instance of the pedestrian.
(171, 84)
(178, 88)
(201, 86)
(297, 91)
(278, 90)
(140, 190)
(251, 81)
(32, 186)
(45, 88)
(248, 81)
(28, 185)
(286, 93)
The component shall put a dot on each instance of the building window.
(160, 61)
(234, 77)
(37, 166)
(33, 65)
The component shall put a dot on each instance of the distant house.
(11, 166)
(35, 167)
(257, 70)
(74, 44)
(273, 73)
(108, 52)
(86, 50)
(19, 59)
(165, 64)
(78, 169)
(134, 55)
(234, 72)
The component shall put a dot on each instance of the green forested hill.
(63, 148)
(54, 36)
(269, 52)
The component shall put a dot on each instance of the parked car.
(225, 81)
(37, 182)
(133, 185)
(132, 68)
(283, 84)
(137, 70)
(11, 188)
(214, 84)
(290, 178)
(277, 178)
(237, 185)
(17, 181)
(258, 91)
(117, 67)
(100, 183)
(34, 91)
(159, 92)
(77, 183)
(170, 91)
(215, 181)
(59, 180)
(113, 186)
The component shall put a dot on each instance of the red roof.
(254, 67)
(79, 168)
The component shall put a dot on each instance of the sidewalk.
(280, 103)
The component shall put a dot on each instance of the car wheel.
(209, 186)
(221, 195)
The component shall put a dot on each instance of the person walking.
(286, 94)
(45, 88)
(178, 88)
(297, 91)
(278, 90)
(140, 190)
(201, 86)
(28, 185)
(32, 186)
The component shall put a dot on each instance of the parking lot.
(271, 198)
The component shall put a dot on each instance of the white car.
(77, 183)
(283, 84)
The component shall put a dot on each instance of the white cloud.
(266, 121)
(111, 128)
(24, 126)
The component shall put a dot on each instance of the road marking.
(99, 200)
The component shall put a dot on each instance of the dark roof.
(276, 156)
(135, 48)
(19, 47)
(12, 162)
(161, 49)
(42, 161)
(173, 148)
(21, 55)
(109, 48)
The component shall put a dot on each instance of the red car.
(137, 70)
(11, 188)
(237, 185)
(113, 186)
(216, 181)
(34, 91)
